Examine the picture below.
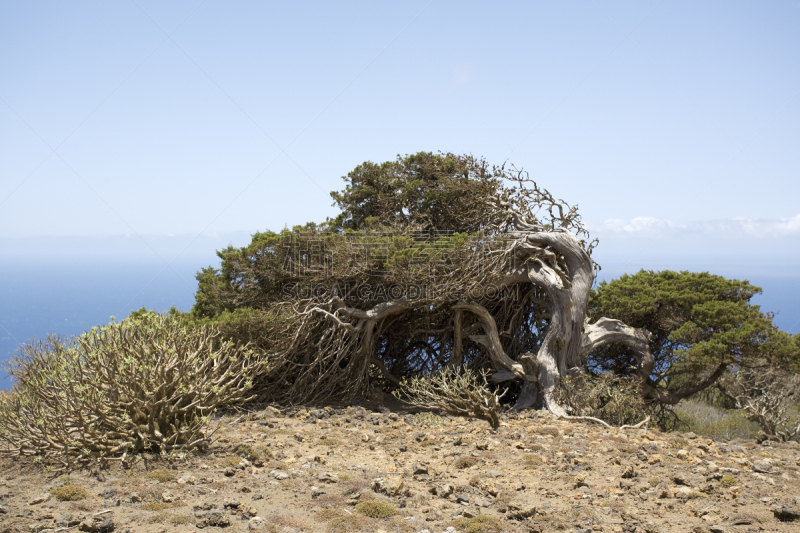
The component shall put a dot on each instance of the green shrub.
(145, 383)
(70, 493)
(718, 424)
(376, 508)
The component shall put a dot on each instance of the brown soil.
(367, 469)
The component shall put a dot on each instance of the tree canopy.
(700, 325)
(442, 261)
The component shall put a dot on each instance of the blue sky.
(175, 127)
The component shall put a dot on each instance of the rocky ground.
(375, 469)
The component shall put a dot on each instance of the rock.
(135, 498)
(218, 518)
(641, 456)
(66, 520)
(484, 445)
(654, 459)
(419, 469)
(403, 448)
(104, 523)
(316, 492)
(580, 481)
(167, 497)
(442, 491)
(87, 525)
(256, 523)
(35, 528)
(762, 466)
(650, 448)
(462, 498)
(483, 503)
(328, 478)
(786, 513)
(519, 510)
(629, 472)
(494, 473)
(682, 454)
(187, 480)
(463, 440)
(390, 486)
(737, 449)
(108, 494)
(272, 411)
(230, 471)
(41, 498)
(277, 474)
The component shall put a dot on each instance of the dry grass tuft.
(162, 475)
(376, 508)
(479, 524)
(70, 493)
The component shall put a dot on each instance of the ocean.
(68, 298)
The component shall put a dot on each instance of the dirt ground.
(370, 468)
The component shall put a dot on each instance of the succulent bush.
(145, 383)
(459, 393)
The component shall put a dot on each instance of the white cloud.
(735, 227)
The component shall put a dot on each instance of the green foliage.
(700, 323)
(426, 190)
(146, 383)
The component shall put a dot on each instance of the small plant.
(531, 462)
(727, 481)
(479, 524)
(677, 444)
(230, 460)
(455, 392)
(376, 508)
(347, 524)
(156, 506)
(465, 461)
(429, 419)
(549, 431)
(162, 475)
(70, 493)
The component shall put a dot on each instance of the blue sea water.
(68, 298)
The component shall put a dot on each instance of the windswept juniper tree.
(435, 261)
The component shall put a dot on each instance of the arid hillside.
(370, 468)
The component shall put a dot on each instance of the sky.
(161, 131)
